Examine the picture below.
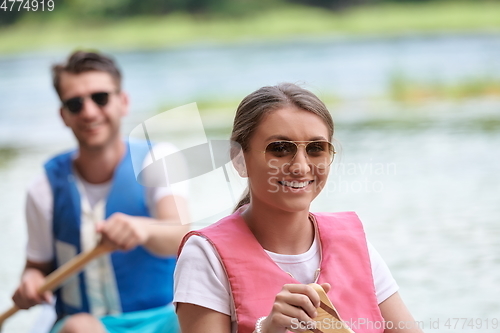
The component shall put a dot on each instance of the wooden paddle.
(328, 319)
(57, 277)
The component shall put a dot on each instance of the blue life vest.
(143, 280)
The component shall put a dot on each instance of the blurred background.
(414, 88)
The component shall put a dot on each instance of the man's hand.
(161, 235)
(27, 294)
(124, 231)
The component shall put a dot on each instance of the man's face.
(94, 126)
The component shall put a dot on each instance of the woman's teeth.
(295, 184)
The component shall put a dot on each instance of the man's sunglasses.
(75, 104)
(319, 153)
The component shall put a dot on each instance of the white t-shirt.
(39, 205)
(200, 278)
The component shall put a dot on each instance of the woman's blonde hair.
(266, 100)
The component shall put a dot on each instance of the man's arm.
(39, 262)
(32, 279)
(161, 235)
(167, 231)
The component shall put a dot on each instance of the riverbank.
(62, 32)
(401, 92)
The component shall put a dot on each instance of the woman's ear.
(238, 160)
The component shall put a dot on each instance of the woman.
(249, 271)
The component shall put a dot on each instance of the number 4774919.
(27, 5)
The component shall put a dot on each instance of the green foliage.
(112, 9)
(276, 21)
(403, 89)
(7, 154)
(9, 17)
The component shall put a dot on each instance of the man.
(93, 192)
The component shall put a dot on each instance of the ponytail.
(245, 199)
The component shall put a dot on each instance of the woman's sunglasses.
(319, 153)
(75, 104)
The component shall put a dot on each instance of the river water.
(422, 177)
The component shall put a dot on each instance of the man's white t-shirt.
(200, 278)
(39, 205)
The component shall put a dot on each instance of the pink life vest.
(255, 279)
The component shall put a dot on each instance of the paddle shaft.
(56, 278)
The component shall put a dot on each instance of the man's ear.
(63, 116)
(239, 162)
(125, 101)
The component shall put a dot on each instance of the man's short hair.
(80, 62)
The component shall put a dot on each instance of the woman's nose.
(300, 164)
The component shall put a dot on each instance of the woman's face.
(290, 183)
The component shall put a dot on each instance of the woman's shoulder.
(196, 243)
(225, 225)
(197, 251)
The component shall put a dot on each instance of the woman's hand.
(294, 309)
